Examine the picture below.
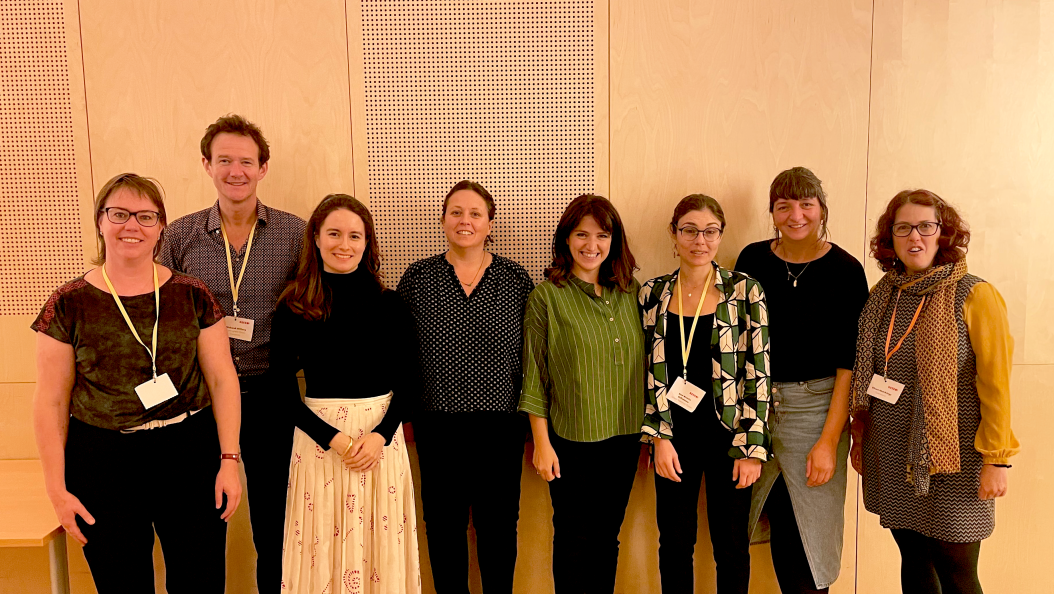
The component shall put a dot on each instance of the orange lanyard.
(889, 333)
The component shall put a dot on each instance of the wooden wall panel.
(961, 106)
(159, 73)
(719, 97)
(16, 421)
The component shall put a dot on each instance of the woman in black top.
(815, 292)
(350, 511)
(136, 410)
(468, 306)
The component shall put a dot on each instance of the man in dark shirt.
(246, 253)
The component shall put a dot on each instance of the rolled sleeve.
(534, 396)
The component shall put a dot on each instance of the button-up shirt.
(194, 245)
(583, 365)
(469, 346)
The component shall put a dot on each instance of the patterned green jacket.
(739, 347)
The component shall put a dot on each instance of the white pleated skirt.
(349, 532)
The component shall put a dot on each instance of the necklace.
(696, 287)
(791, 275)
(475, 277)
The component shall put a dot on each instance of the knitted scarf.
(934, 442)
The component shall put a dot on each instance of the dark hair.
(617, 269)
(305, 294)
(696, 202)
(952, 244)
(482, 192)
(146, 187)
(235, 124)
(799, 183)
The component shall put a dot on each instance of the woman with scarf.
(931, 395)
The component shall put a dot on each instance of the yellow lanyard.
(120, 306)
(230, 265)
(686, 346)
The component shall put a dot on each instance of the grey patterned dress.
(951, 511)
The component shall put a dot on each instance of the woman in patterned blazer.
(717, 399)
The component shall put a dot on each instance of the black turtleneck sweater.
(365, 347)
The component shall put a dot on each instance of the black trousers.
(267, 444)
(788, 552)
(133, 484)
(727, 512)
(483, 479)
(931, 566)
(589, 504)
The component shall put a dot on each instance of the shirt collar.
(587, 288)
(213, 222)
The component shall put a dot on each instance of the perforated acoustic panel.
(501, 93)
(41, 244)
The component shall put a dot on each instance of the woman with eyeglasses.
(706, 408)
(931, 396)
(583, 373)
(137, 407)
(815, 291)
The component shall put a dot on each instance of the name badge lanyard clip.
(686, 347)
(230, 265)
(889, 333)
(152, 350)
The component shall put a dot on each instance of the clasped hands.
(360, 454)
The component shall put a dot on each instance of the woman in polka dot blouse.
(468, 306)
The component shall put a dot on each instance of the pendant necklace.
(474, 277)
(791, 275)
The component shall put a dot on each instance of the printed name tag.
(154, 392)
(239, 328)
(885, 389)
(685, 394)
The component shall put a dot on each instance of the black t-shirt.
(812, 326)
(365, 348)
(109, 363)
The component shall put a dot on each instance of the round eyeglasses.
(925, 229)
(709, 234)
(120, 216)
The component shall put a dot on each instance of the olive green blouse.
(583, 360)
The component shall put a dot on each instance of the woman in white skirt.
(350, 522)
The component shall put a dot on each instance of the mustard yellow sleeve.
(985, 315)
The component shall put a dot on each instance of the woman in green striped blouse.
(583, 385)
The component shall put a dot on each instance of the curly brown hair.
(951, 245)
(617, 269)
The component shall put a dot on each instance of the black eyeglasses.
(690, 233)
(925, 229)
(120, 216)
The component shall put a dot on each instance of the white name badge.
(885, 389)
(685, 394)
(153, 392)
(239, 328)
